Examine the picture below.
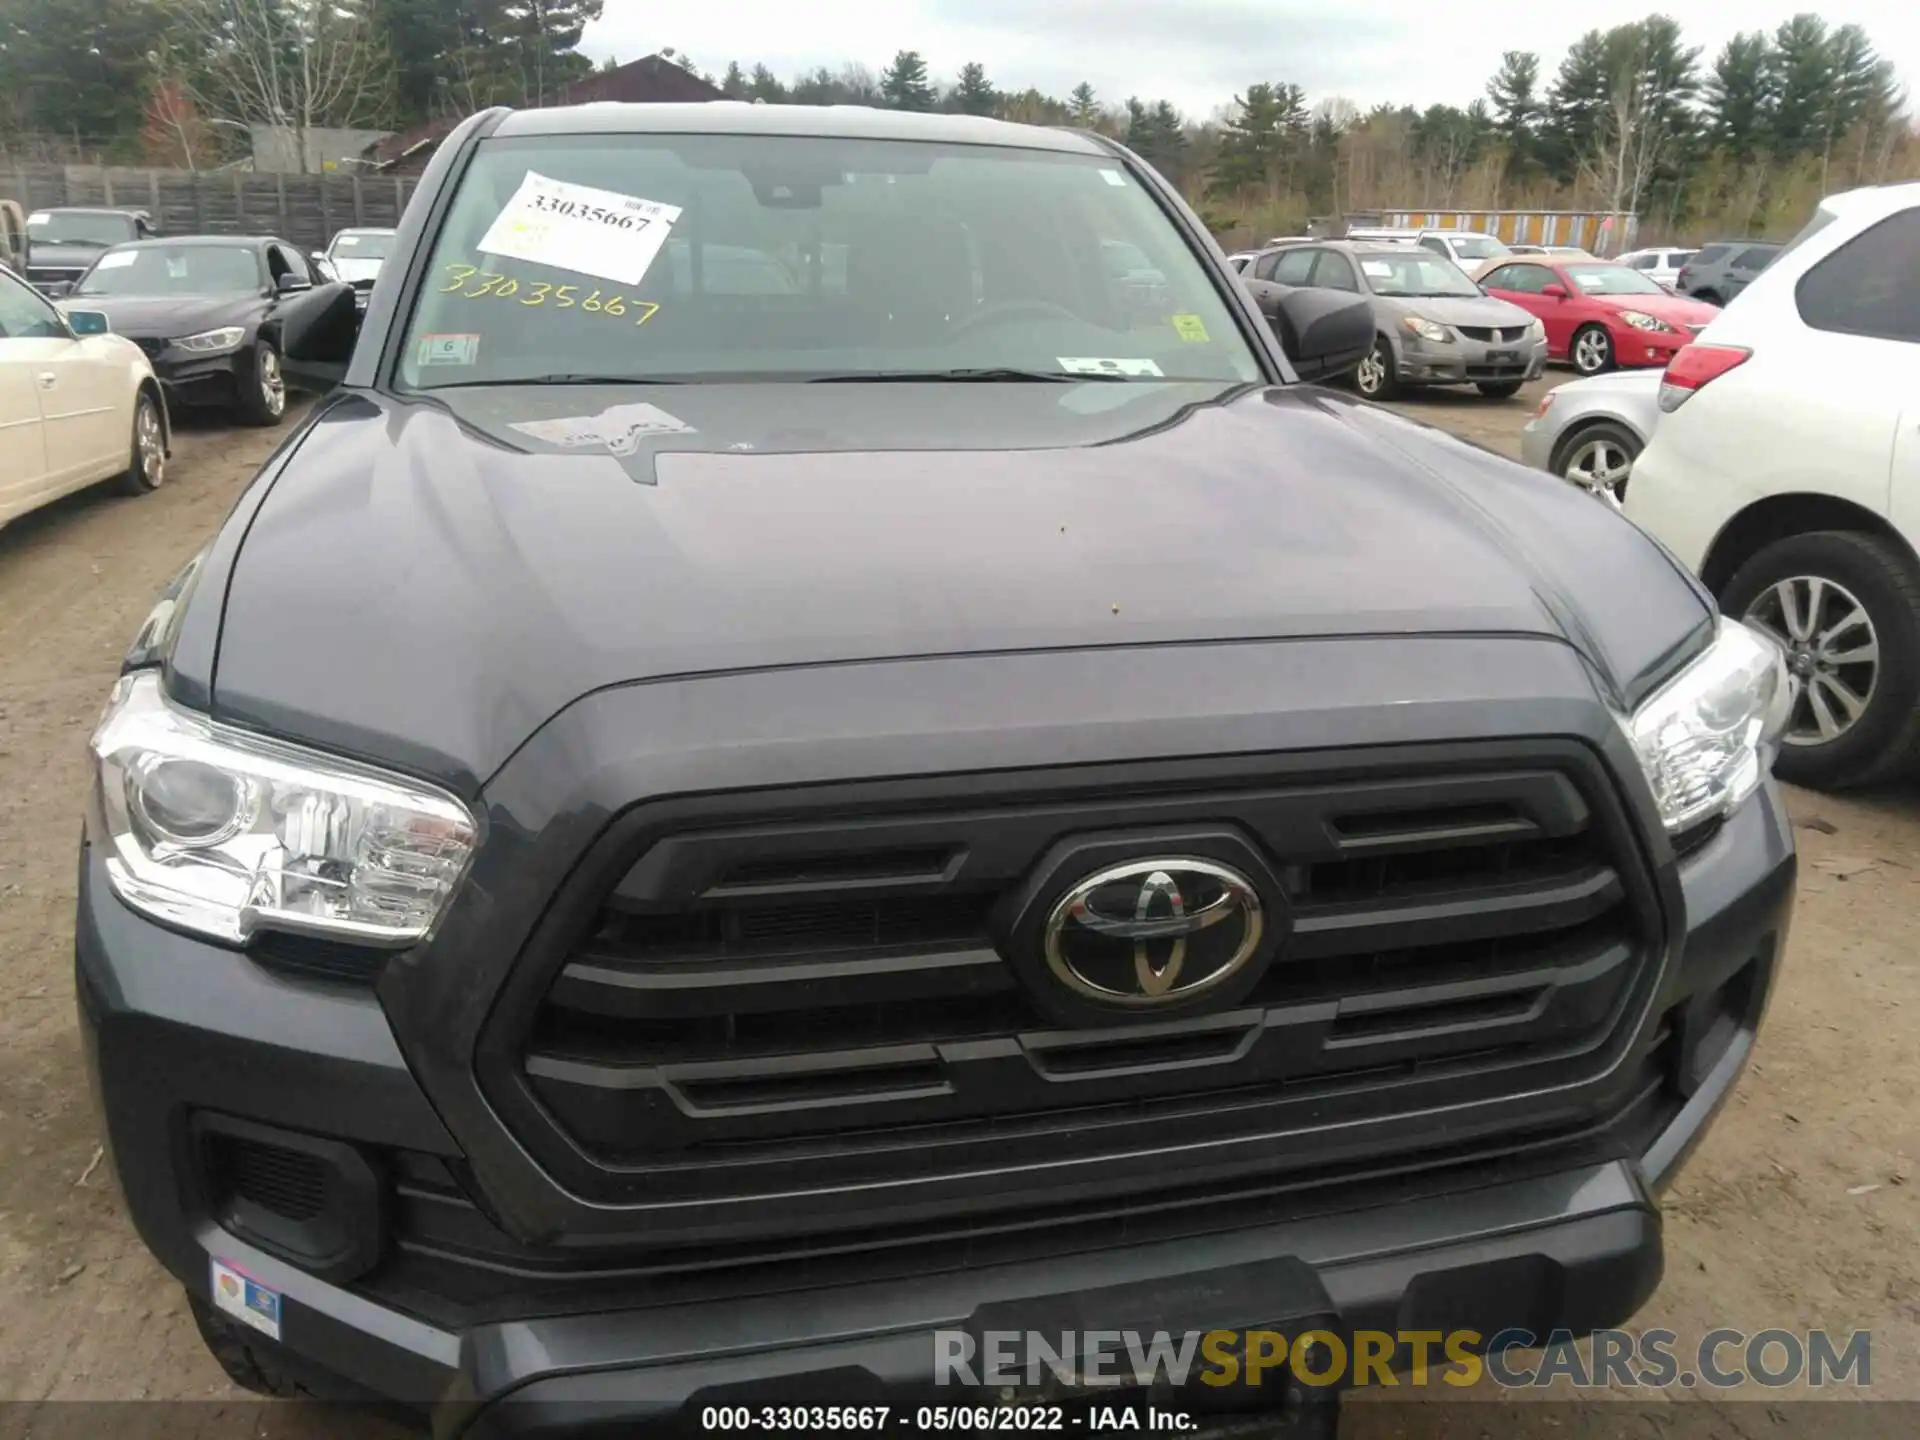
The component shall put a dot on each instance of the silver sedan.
(1591, 431)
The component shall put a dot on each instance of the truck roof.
(846, 122)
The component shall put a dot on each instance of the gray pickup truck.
(697, 851)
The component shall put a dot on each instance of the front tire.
(265, 400)
(1498, 389)
(147, 452)
(1591, 350)
(1846, 606)
(1374, 377)
(1598, 459)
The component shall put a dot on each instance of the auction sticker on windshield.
(582, 229)
(1101, 365)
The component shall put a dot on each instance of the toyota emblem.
(1154, 932)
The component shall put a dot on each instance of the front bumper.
(1645, 349)
(1471, 362)
(175, 1027)
(200, 381)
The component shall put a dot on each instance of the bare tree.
(296, 64)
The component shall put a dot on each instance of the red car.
(1598, 314)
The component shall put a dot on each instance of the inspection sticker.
(247, 1301)
(1114, 177)
(1190, 328)
(582, 229)
(447, 350)
(1095, 365)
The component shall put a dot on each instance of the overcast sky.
(1196, 53)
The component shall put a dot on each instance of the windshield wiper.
(989, 374)
(562, 379)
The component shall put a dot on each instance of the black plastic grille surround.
(800, 992)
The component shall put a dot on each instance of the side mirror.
(1554, 292)
(1325, 333)
(88, 322)
(290, 284)
(317, 335)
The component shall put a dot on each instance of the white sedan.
(77, 405)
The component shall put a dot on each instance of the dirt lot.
(1798, 1212)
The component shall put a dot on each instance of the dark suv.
(705, 835)
(63, 243)
(1721, 270)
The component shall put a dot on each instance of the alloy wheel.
(1600, 467)
(1372, 371)
(150, 450)
(273, 385)
(1833, 654)
(1590, 352)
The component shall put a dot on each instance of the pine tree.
(1740, 96)
(974, 94)
(1253, 143)
(765, 86)
(1085, 111)
(1515, 93)
(905, 84)
(734, 82)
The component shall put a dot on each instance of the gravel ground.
(1799, 1211)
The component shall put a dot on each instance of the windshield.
(1477, 247)
(361, 247)
(1417, 272)
(637, 257)
(55, 228)
(1612, 280)
(173, 270)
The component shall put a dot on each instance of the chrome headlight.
(1704, 738)
(1640, 320)
(212, 342)
(225, 833)
(1428, 329)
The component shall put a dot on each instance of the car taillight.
(1693, 368)
(1680, 279)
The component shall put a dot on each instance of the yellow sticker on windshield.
(1190, 328)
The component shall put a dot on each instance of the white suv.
(1469, 249)
(1785, 471)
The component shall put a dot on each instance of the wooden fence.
(305, 209)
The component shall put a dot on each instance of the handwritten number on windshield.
(506, 287)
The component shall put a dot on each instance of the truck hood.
(428, 581)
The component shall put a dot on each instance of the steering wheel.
(1000, 310)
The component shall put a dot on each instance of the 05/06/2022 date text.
(541, 292)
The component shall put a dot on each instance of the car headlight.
(211, 342)
(1428, 329)
(1536, 327)
(1640, 320)
(1704, 738)
(223, 832)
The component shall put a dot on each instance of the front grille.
(1505, 335)
(815, 1001)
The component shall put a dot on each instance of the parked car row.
(112, 331)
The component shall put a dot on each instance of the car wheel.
(1591, 350)
(1846, 608)
(1374, 377)
(147, 453)
(1598, 458)
(1498, 390)
(265, 402)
